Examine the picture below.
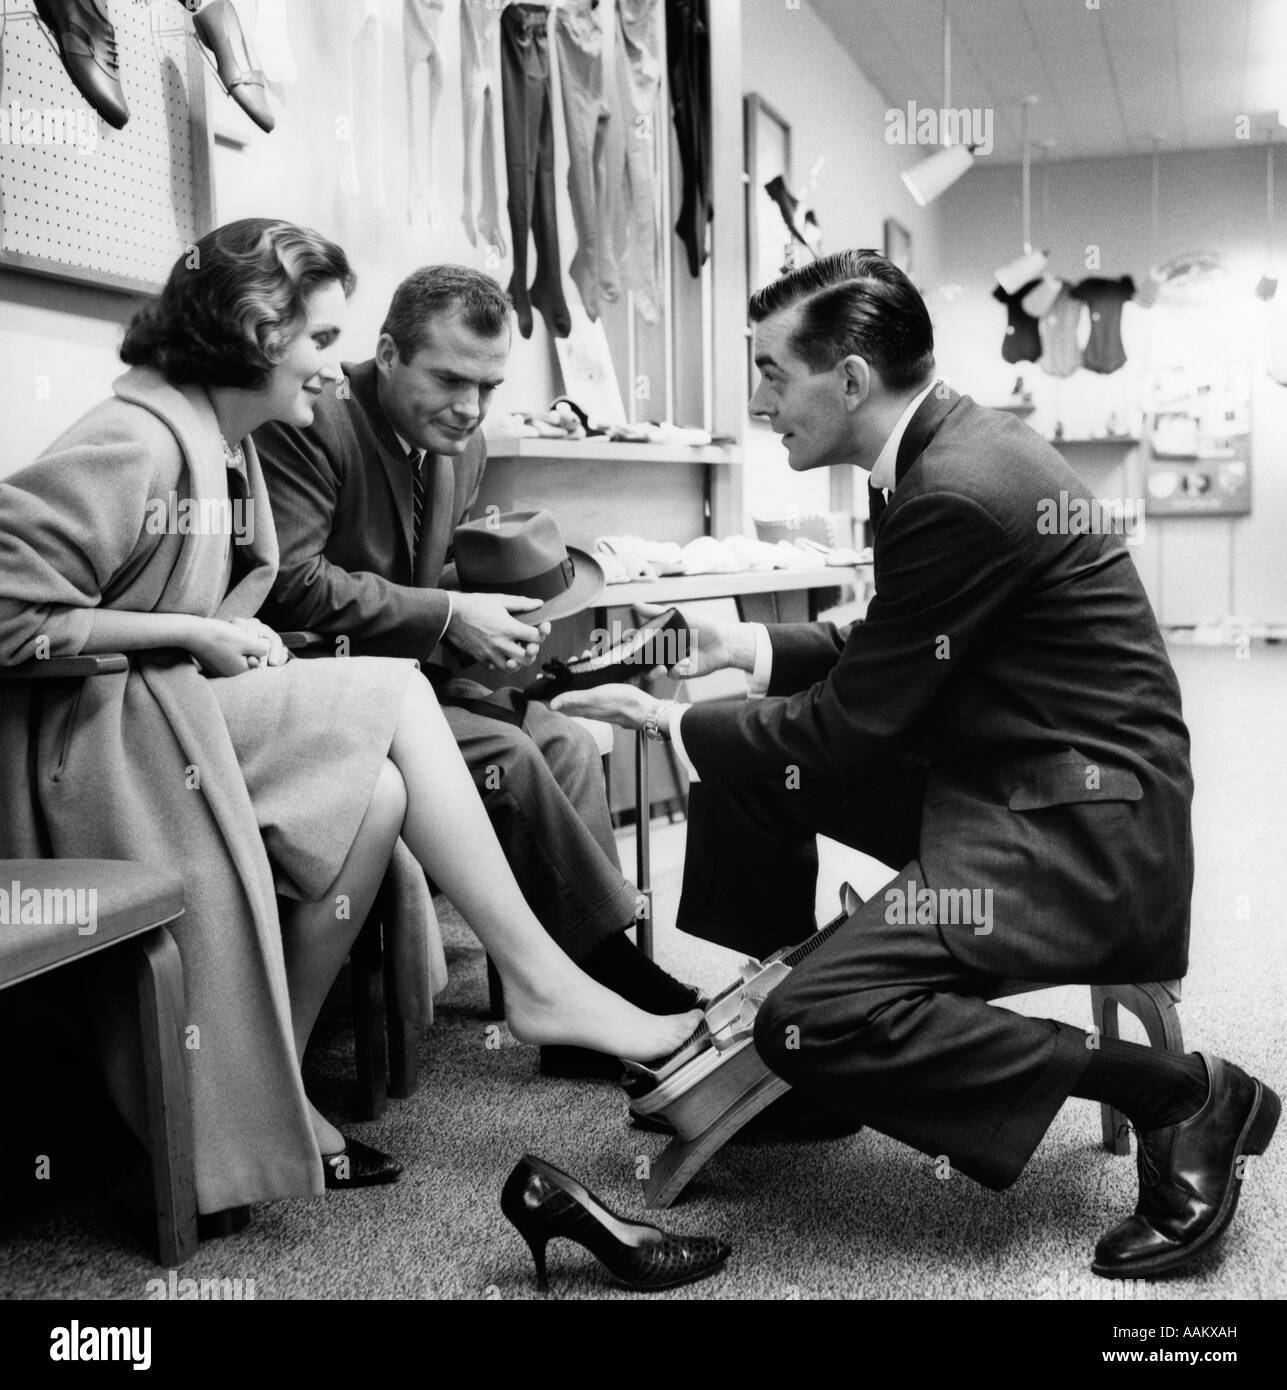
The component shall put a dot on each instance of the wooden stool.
(133, 904)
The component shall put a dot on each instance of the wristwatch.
(657, 721)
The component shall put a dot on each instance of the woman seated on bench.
(146, 528)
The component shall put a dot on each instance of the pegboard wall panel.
(85, 201)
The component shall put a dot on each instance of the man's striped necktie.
(417, 460)
(877, 502)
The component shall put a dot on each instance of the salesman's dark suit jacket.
(344, 525)
(1029, 671)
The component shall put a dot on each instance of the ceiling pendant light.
(1013, 276)
(934, 175)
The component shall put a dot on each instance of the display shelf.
(1125, 440)
(688, 588)
(596, 450)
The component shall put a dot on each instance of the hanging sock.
(529, 161)
(586, 118)
(363, 175)
(688, 60)
(220, 31)
(272, 43)
(87, 46)
(420, 46)
(638, 88)
(480, 86)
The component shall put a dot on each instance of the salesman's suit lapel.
(923, 426)
(397, 470)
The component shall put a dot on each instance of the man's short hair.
(442, 291)
(855, 302)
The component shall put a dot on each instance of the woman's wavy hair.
(226, 311)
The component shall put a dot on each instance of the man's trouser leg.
(544, 793)
(751, 864)
(883, 1025)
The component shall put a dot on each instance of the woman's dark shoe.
(358, 1165)
(544, 1203)
(1191, 1175)
(87, 47)
(219, 29)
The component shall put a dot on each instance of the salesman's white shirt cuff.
(676, 739)
(451, 609)
(762, 674)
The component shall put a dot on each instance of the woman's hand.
(277, 654)
(231, 648)
(625, 705)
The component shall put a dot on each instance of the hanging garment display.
(586, 116)
(420, 48)
(1060, 325)
(480, 86)
(638, 89)
(1022, 342)
(364, 167)
(272, 43)
(529, 162)
(688, 64)
(1104, 298)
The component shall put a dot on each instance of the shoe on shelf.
(1191, 1175)
(358, 1165)
(544, 1203)
(220, 30)
(87, 46)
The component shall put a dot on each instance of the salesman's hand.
(712, 646)
(482, 627)
(625, 705)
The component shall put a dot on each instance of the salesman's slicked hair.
(855, 303)
(445, 291)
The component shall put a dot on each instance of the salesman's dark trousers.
(543, 788)
(881, 1024)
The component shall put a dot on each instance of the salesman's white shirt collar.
(883, 470)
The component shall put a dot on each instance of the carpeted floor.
(858, 1218)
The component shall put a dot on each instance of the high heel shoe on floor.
(220, 30)
(87, 47)
(358, 1165)
(543, 1203)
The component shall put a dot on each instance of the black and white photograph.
(643, 655)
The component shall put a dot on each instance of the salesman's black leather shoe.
(87, 46)
(1190, 1177)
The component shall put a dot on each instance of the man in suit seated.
(365, 501)
(1004, 727)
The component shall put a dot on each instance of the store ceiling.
(1108, 78)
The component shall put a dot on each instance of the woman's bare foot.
(577, 1011)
